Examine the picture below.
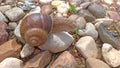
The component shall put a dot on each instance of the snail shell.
(35, 28)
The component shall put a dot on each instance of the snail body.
(36, 27)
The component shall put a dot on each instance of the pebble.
(109, 2)
(111, 55)
(39, 61)
(58, 42)
(87, 47)
(9, 49)
(4, 8)
(80, 22)
(55, 3)
(114, 15)
(11, 63)
(37, 9)
(85, 5)
(3, 18)
(45, 1)
(106, 37)
(65, 60)
(93, 63)
(15, 14)
(12, 25)
(97, 10)
(26, 51)
(46, 9)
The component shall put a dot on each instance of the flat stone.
(26, 51)
(9, 49)
(111, 55)
(11, 63)
(39, 61)
(3, 18)
(87, 47)
(97, 10)
(106, 37)
(93, 63)
(5, 8)
(58, 42)
(65, 60)
(15, 14)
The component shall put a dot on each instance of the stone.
(106, 37)
(15, 14)
(11, 63)
(65, 60)
(3, 25)
(109, 2)
(37, 9)
(5, 8)
(97, 10)
(10, 2)
(114, 15)
(3, 18)
(3, 36)
(63, 8)
(80, 22)
(45, 1)
(87, 15)
(12, 25)
(111, 55)
(55, 3)
(84, 5)
(46, 9)
(93, 63)
(27, 50)
(39, 61)
(58, 42)
(76, 2)
(87, 47)
(73, 17)
(9, 49)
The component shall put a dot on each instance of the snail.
(35, 28)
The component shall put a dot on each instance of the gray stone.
(97, 10)
(93, 63)
(12, 25)
(111, 55)
(26, 51)
(5, 8)
(87, 47)
(65, 60)
(3, 18)
(15, 14)
(58, 42)
(106, 37)
(80, 22)
(11, 63)
(37, 9)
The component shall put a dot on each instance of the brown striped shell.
(35, 28)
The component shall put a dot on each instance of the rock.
(97, 10)
(87, 47)
(65, 60)
(93, 63)
(111, 55)
(45, 1)
(109, 2)
(84, 5)
(76, 2)
(10, 2)
(15, 14)
(58, 42)
(3, 25)
(87, 15)
(11, 63)
(46, 9)
(63, 8)
(3, 36)
(12, 25)
(80, 22)
(55, 3)
(73, 17)
(5, 8)
(9, 49)
(106, 37)
(26, 51)
(3, 18)
(114, 15)
(35, 10)
(39, 61)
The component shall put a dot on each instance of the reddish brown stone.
(9, 49)
(114, 15)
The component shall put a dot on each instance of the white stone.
(45, 1)
(63, 8)
(5, 8)
(26, 51)
(58, 42)
(11, 63)
(108, 1)
(12, 25)
(15, 14)
(111, 55)
(57, 2)
(87, 47)
(37, 9)
(3, 18)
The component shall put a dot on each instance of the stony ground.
(85, 34)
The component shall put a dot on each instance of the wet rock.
(93, 63)
(15, 14)
(5, 8)
(3, 18)
(46, 9)
(11, 63)
(97, 10)
(106, 37)
(111, 55)
(87, 47)
(58, 42)
(39, 61)
(114, 15)
(87, 15)
(26, 51)
(65, 60)
(9, 49)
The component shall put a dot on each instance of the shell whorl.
(35, 28)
